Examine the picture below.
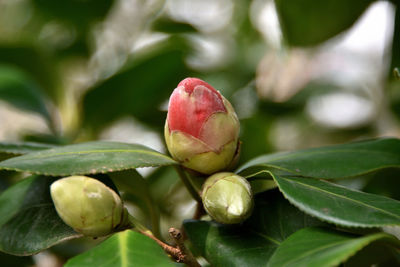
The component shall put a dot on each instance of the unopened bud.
(227, 198)
(87, 205)
(202, 129)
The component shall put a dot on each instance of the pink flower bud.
(202, 129)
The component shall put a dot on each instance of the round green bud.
(87, 205)
(227, 198)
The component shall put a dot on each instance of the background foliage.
(82, 71)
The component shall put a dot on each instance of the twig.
(199, 212)
(185, 255)
(178, 253)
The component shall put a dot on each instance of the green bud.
(227, 198)
(87, 205)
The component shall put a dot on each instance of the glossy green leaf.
(17, 89)
(330, 162)
(317, 247)
(310, 22)
(29, 222)
(87, 158)
(138, 90)
(125, 249)
(339, 205)
(9, 150)
(252, 243)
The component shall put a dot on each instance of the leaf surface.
(87, 158)
(310, 22)
(29, 222)
(331, 162)
(339, 205)
(124, 249)
(252, 243)
(318, 247)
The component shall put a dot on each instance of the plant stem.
(185, 255)
(179, 253)
(186, 181)
(199, 212)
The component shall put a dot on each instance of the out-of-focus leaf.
(254, 135)
(133, 184)
(252, 243)
(87, 158)
(125, 249)
(339, 205)
(310, 22)
(11, 260)
(138, 90)
(330, 162)
(29, 222)
(168, 25)
(385, 182)
(20, 91)
(317, 247)
(375, 254)
(81, 13)
(37, 64)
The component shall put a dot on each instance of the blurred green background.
(299, 73)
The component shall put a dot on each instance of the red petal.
(191, 104)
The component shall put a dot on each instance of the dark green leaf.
(36, 63)
(15, 149)
(87, 158)
(316, 247)
(11, 260)
(125, 249)
(310, 22)
(135, 186)
(385, 182)
(375, 254)
(19, 90)
(339, 205)
(168, 25)
(81, 13)
(252, 243)
(28, 220)
(338, 161)
(138, 90)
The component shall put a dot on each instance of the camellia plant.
(236, 168)
(273, 210)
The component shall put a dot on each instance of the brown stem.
(179, 253)
(185, 255)
(173, 251)
(199, 212)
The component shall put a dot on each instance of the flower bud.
(227, 198)
(87, 205)
(202, 129)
